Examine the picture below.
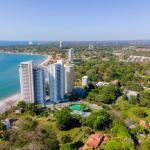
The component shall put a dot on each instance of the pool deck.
(59, 106)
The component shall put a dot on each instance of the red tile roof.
(144, 124)
(93, 141)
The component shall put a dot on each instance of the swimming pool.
(80, 109)
(75, 107)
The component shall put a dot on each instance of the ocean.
(21, 43)
(9, 72)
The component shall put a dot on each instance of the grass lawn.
(129, 109)
(76, 134)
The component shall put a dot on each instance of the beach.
(22, 53)
(12, 100)
(7, 103)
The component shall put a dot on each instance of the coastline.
(36, 54)
(8, 102)
(12, 100)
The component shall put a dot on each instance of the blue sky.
(74, 19)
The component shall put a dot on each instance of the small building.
(144, 124)
(71, 55)
(106, 138)
(131, 93)
(101, 84)
(115, 82)
(93, 141)
(85, 81)
(19, 111)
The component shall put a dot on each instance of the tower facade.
(56, 81)
(69, 78)
(60, 44)
(26, 81)
(71, 55)
(32, 83)
(39, 85)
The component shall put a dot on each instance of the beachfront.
(12, 100)
(9, 102)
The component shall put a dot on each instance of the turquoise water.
(9, 72)
(75, 107)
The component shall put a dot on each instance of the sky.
(74, 20)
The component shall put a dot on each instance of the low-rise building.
(85, 81)
(93, 141)
(101, 84)
(131, 93)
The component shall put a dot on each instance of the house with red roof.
(93, 141)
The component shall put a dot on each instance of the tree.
(66, 147)
(145, 144)
(134, 86)
(51, 143)
(121, 139)
(140, 112)
(28, 124)
(125, 97)
(109, 94)
(113, 145)
(2, 126)
(145, 102)
(133, 100)
(99, 120)
(34, 146)
(145, 98)
(65, 139)
(22, 104)
(65, 120)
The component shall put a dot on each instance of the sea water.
(9, 72)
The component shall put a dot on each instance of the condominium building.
(60, 44)
(39, 85)
(32, 83)
(69, 78)
(26, 81)
(56, 81)
(71, 55)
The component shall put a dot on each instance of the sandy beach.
(22, 53)
(46, 61)
(12, 100)
(7, 103)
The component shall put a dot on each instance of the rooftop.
(93, 141)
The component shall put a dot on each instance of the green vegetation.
(121, 138)
(107, 94)
(65, 120)
(42, 128)
(99, 120)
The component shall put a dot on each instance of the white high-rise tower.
(71, 55)
(69, 78)
(26, 81)
(32, 83)
(60, 44)
(56, 81)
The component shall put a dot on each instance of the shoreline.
(12, 100)
(36, 54)
(8, 102)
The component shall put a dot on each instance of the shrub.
(65, 139)
(140, 112)
(99, 120)
(65, 120)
